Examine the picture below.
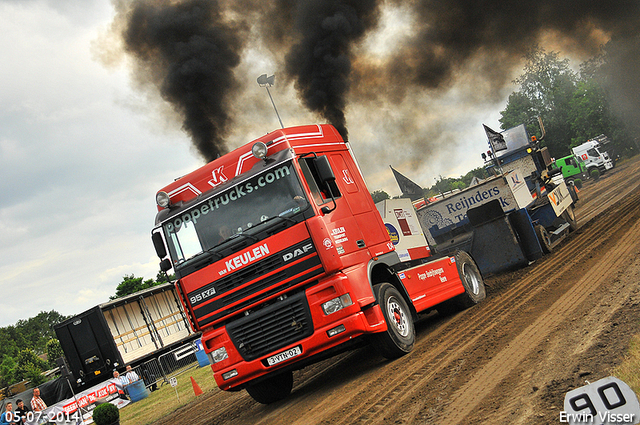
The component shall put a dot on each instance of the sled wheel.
(569, 216)
(544, 238)
(272, 389)
(400, 335)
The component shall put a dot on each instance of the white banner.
(79, 409)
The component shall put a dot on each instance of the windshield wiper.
(201, 259)
(243, 235)
(231, 243)
(281, 217)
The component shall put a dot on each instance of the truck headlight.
(218, 355)
(336, 304)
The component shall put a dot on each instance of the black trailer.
(128, 330)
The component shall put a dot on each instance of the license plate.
(285, 355)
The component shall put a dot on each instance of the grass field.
(164, 401)
(629, 370)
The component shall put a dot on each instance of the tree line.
(574, 106)
(22, 346)
(131, 284)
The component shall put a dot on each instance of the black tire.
(272, 389)
(544, 238)
(578, 183)
(400, 335)
(569, 216)
(473, 283)
(474, 290)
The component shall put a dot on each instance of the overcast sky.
(82, 152)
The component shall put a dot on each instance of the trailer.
(126, 331)
(507, 220)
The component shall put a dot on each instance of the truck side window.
(319, 190)
(593, 152)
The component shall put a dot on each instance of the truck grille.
(268, 277)
(272, 328)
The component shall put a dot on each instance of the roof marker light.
(163, 200)
(259, 150)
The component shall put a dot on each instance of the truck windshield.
(271, 197)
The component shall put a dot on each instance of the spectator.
(8, 417)
(21, 411)
(122, 378)
(131, 375)
(37, 404)
(123, 383)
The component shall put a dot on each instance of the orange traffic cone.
(196, 388)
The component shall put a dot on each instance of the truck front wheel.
(400, 334)
(272, 389)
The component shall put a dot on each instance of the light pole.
(266, 82)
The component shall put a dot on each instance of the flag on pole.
(496, 141)
(409, 189)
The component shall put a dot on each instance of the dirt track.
(541, 332)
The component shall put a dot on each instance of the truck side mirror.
(158, 244)
(324, 169)
(165, 265)
(325, 173)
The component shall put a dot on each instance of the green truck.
(572, 169)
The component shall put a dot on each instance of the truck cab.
(572, 168)
(592, 155)
(282, 259)
(264, 241)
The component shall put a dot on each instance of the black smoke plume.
(621, 74)
(448, 34)
(189, 52)
(320, 60)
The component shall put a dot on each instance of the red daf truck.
(282, 260)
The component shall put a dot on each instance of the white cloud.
(80, 163)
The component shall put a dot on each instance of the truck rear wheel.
(474, 289)
(272, 389)
(400, 335)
